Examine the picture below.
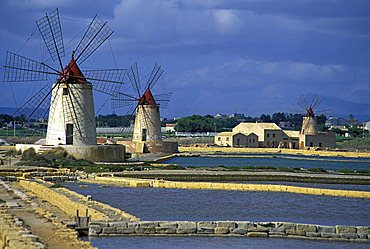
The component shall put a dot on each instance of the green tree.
(321, 119)
(278, 117)
(265, 118)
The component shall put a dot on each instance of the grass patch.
(120, 168)
(11, 152)
(353, 171)
(276, 169)
(244, 168)
(317, 170)
(56, 185)
(355, 144)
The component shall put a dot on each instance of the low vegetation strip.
(130, 182)
(219, 174)
(229, 150)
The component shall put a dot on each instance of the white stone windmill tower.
(146, 107)
(70, 99)
(71, 114)
(309, 136)
(309, 123)
(147, 119)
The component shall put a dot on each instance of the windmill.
(144, 105)
(309, 123)
(69, 100)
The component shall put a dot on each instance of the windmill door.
(69, 134)
(144, 135)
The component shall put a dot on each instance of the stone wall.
(232, 228)
(139, 147)
(97, 153)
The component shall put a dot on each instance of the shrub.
(11, 153)
(29, 154)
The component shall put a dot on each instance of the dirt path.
(41, 227)
(48, 228)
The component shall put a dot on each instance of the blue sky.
(219, 56)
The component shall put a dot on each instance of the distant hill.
(12, 110)
(342, 108)
(335, 106)
(7, 110)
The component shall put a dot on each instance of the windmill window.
(65, 91)
(273, 135)
(311, 144)
(254, 140)
(268, 135)
(219, 139)
(320, 144)
(227, 139)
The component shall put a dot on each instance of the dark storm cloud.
(221, 55)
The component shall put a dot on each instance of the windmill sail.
(51, 31)
(70, 99)
(133, 75)
(147, 118)
(97, 32)
(154, 76)
(21, 69)
(106, 81)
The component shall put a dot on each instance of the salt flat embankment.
(132, 182)
(229, 150)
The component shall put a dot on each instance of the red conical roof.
(310, 112)
(73, 73)
(147, 98)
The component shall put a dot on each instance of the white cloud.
(227, 21)
(41, 3)
(166, 21)
(240, 73)
(244, 84)
(162, 23)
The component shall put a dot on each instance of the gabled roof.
(251, 126)
(252, 133)
(226, 133)
(292, 134)
(230, 133)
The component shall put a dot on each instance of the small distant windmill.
(145, 105)
(70, 102)
(309, 124)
